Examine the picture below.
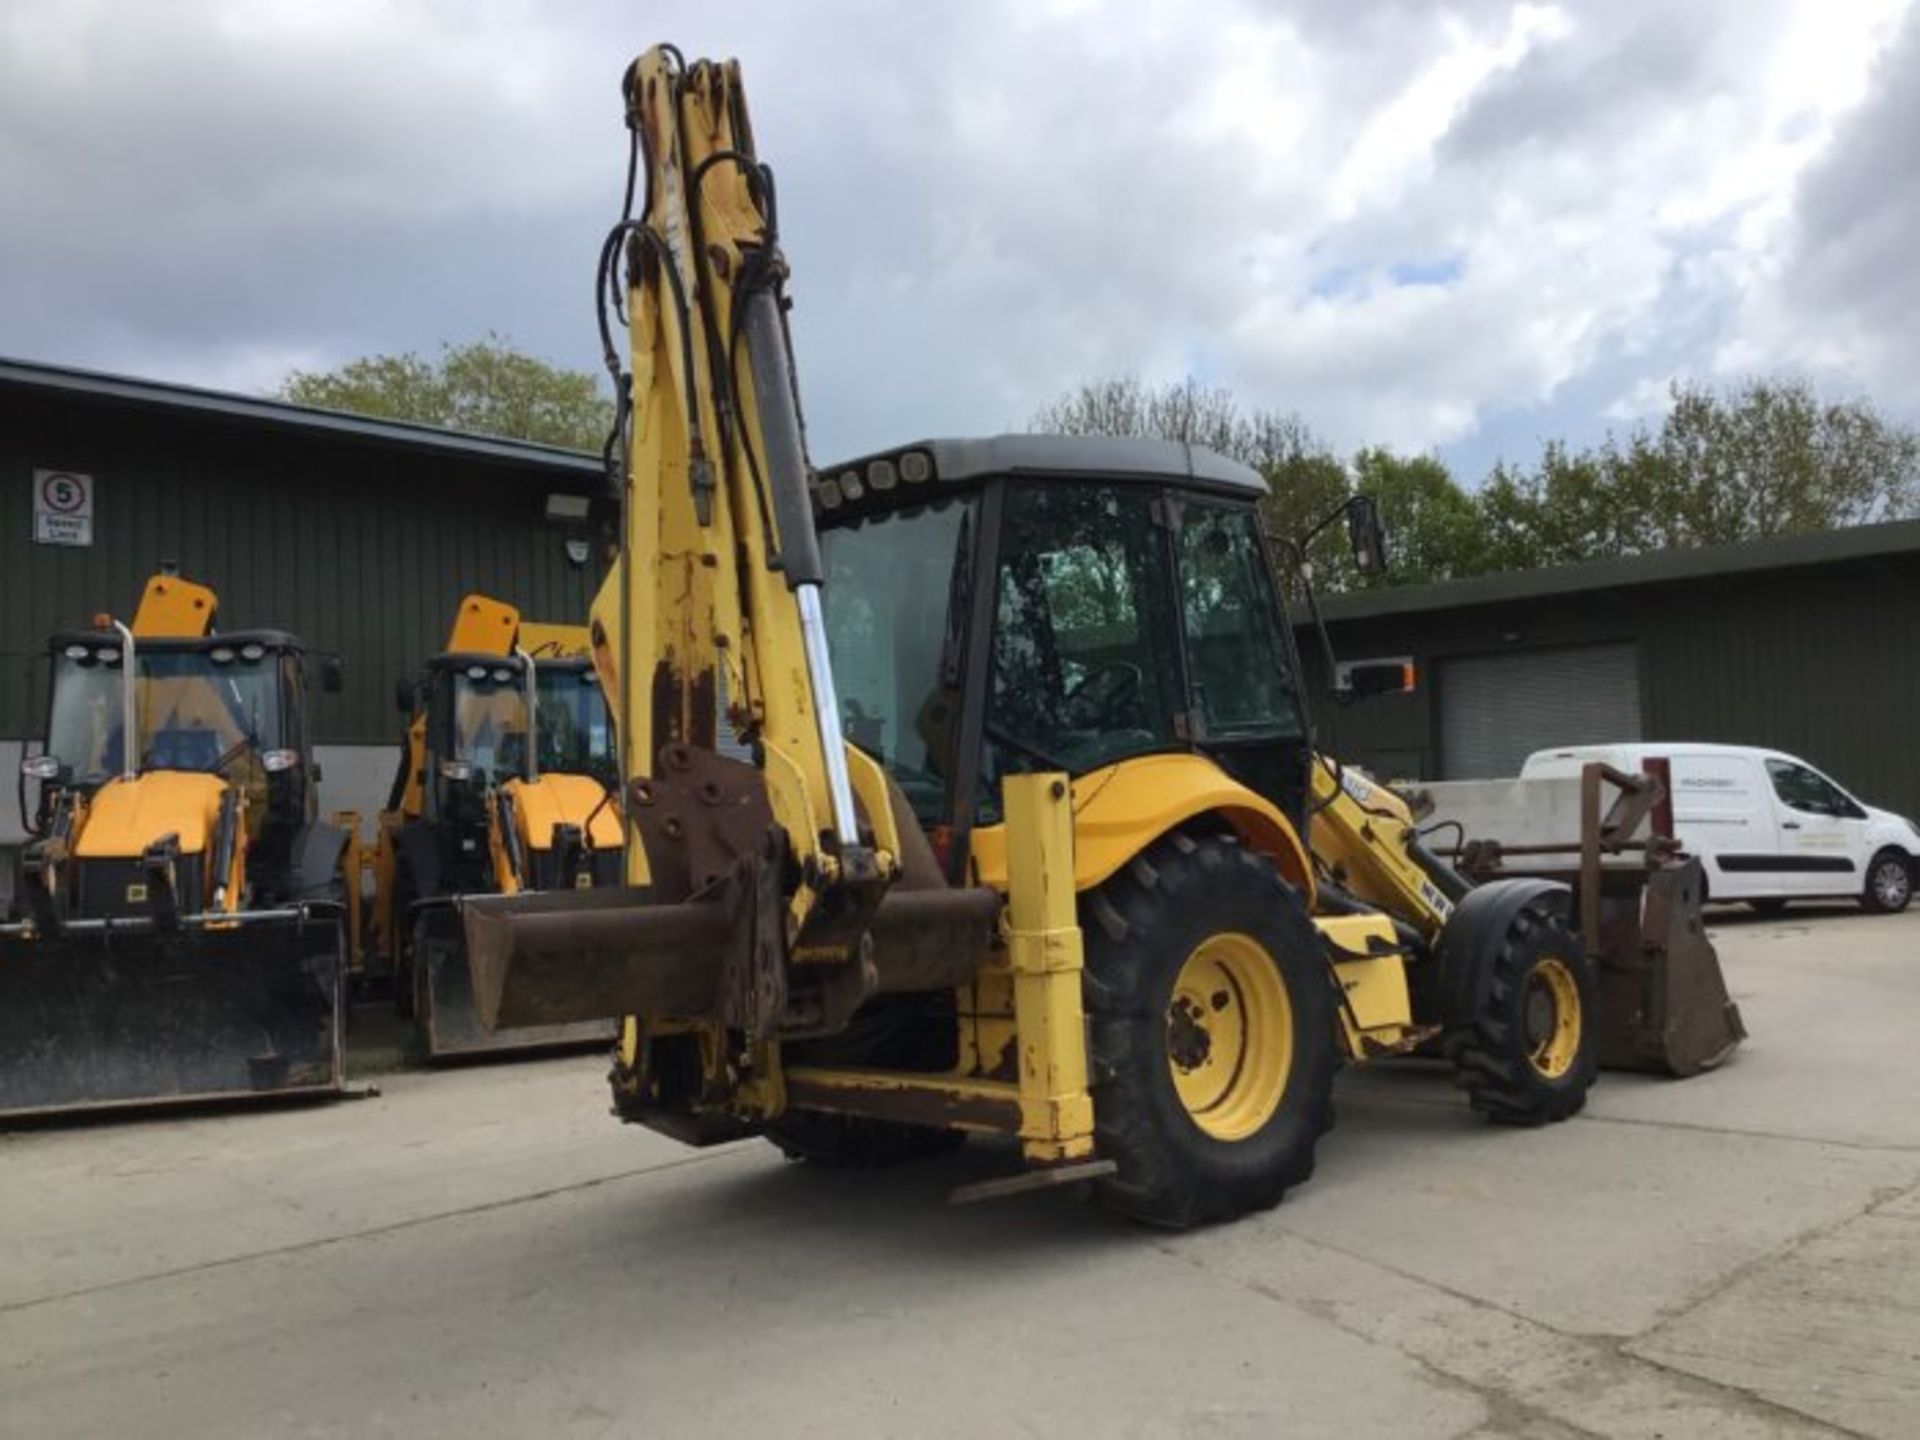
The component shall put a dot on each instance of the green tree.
(483, 387)
(1433, 528)
(1767, 457)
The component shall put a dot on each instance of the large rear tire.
(1527, 1051)
(1211, 1014)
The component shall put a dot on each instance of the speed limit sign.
(62, 507)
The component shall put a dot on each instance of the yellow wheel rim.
(1551, 1012)
(1230, 1036)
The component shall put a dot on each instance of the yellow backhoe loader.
(505, 786)
(180, 926)
(1034, 840)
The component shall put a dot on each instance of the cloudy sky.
(1461, 227)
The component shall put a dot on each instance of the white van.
(1768, 828)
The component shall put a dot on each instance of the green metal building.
(1808, 644)
(358, 535)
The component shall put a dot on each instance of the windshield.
(895, 606)
(195, 708)
(490, 720)
(575, 733)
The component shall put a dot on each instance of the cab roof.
(271, 639)
(1067, 457)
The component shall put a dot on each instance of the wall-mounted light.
(565, 509)
(577, 552)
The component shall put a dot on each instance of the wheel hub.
(1230, 1036)
(1550, 1013)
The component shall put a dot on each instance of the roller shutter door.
(1495, 710)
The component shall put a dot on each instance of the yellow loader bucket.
(123, 1013)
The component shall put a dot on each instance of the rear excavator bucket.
(110, 1015)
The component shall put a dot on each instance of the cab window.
(1801, 789)
(1085, 666)
(1235, 656)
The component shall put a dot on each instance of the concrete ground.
(483, 1252)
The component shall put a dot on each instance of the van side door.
(1723, 812)
(1822, 829)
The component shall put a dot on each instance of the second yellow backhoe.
(505, 786)
(1034, 840)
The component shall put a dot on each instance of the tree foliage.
(1765, 457)
(483, 387)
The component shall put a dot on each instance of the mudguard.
(1478, 928)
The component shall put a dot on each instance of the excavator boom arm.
(718, 591)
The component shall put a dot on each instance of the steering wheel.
(1102, 695)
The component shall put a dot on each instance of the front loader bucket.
(444, 1013)
(1664, 1003)
(115, 1015)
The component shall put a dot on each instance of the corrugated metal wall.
(355, 548)
(1820, 661)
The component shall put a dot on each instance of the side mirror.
(333, 675)
(1366, 678)
(1367, 536)
(403, 696)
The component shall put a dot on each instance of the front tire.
(1526, 1052)
(1210, 1010)
(1889, 887)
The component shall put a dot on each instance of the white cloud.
(982, 204)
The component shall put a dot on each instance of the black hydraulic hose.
(663, 257)
(1452, 883)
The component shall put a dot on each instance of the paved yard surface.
(483, 1252)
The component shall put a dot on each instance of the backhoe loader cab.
(229, 706)
(180, 928)
(1048, 603)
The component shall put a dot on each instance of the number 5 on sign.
(62, 507)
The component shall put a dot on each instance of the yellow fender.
(1119, 810)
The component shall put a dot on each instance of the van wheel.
(1210, 1009)
(1889, 888)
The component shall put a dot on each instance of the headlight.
(457, 770)
(41, 767)
(278, 760)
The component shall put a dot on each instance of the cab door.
(1243, 702)
(1822, 831)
